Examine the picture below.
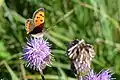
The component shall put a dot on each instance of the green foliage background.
(95, 21)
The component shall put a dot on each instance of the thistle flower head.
(79, 51)
(103, 75)
(81, 55)
(37, 54)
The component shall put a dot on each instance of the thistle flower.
(81, 55)
(102, 75)
(37, 54)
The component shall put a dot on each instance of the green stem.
(42, 76)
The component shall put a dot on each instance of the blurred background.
(95, 21)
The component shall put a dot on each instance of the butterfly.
(34, 26)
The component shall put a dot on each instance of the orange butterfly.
(34, 26)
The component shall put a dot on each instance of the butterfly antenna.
(59, 20)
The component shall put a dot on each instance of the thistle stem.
(42, 76)
(80, 78)
(41, 73)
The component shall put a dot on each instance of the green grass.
(95, 21)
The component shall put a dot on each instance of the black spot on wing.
(38, 17)
(35, 20)
(40, 14)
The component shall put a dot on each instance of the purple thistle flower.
(37, 54)
(102, 75)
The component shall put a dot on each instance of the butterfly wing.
(38, 18)
(29, 26)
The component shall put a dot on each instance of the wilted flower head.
(103, 75)
(37, 54)
(81, 55)
(80, 68)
